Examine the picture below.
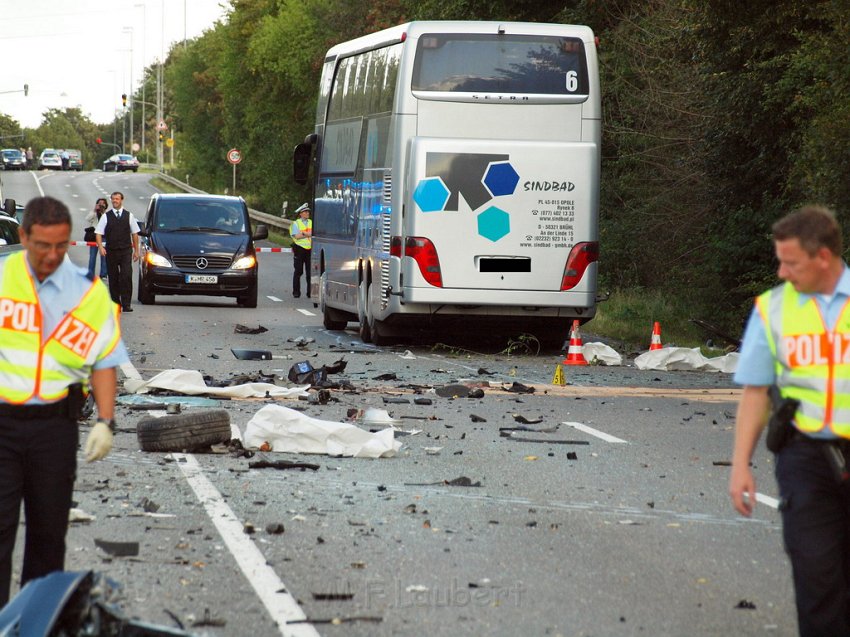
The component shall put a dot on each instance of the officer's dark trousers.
(816, 528)
(38, 460)
(301, 258)
(119, 266)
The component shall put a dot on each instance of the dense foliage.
(719, 116)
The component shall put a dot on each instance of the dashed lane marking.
(594, 432)
(275, 299)
(306, 312)
(269, 588)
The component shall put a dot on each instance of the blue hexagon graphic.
(431, 194)
(494, 223)
(501, 178)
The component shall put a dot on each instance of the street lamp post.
(131, 31)
(144, 75)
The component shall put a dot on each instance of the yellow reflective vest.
(812, 361)
(298, 226)
(30, 369)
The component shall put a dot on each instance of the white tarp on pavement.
(288, 430)
(601, 353)
(682, 359)
(191, 382)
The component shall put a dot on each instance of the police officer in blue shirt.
(798, 338)
(59, 332)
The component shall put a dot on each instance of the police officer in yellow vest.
(798, 338)
(301, 232)
(59, 331)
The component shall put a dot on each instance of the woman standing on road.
(100, 206)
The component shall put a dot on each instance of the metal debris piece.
(117, 549)
(243, 329)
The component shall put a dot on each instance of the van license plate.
(201, 278)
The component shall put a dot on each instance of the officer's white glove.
(99, 441)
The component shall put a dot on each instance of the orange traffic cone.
(655, 341)
(574, 354)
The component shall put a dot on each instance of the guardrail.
(256, 215)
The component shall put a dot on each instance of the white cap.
(302, 208)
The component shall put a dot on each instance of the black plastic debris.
(396, 400)
(745, 605)
(209, 620)
(282, 464)
(304, 373)
(333, 597)
(336, 367)
(476, 392)
(461, 481)
(387, 376)
(475, 418)
(519, 388)
(301, 341)
(419, 400)
(117, 549)
(244, 329)
(484, 372)
(148, 506)
(275, 528)
(527, 421)
(452, 391)
(549, 441)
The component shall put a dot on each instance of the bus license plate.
(201, 278)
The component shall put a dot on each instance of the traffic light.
(161, 136)
(124, 99)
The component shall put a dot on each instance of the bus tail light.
(581, 256)
(422, 251)
(395, 246)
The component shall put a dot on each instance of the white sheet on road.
(683, 358)
(191, 382)
(290, 431)
(601, 353)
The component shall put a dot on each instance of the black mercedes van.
(199, 244)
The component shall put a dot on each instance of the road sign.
(169, 142)
(162, 125)
(135, 147)
(234, 156)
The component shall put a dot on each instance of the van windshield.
(189, 215)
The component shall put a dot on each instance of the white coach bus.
(455, 172)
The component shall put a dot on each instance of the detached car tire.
(192, 431)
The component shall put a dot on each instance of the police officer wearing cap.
(60, 333)
(797, 339)
(301, 232)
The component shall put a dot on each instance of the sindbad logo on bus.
(479, 177)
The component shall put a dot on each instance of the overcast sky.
(84, 53)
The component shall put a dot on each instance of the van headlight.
(157, 260)
(245, 263)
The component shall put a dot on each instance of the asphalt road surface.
(614, 522)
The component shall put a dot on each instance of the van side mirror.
(261, 231)
(9, 207)
(301, 163)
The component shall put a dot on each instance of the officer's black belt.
(842, 443)
(33, 412)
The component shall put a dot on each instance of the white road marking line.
(275, 299)
(37, 183)
(269, 588)
(306, 312)
(593, 432)
(766, 499)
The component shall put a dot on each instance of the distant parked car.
(50, 159)
(12, 159)
(75, 159)
(120, 163)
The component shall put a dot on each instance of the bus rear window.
(503, 64)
